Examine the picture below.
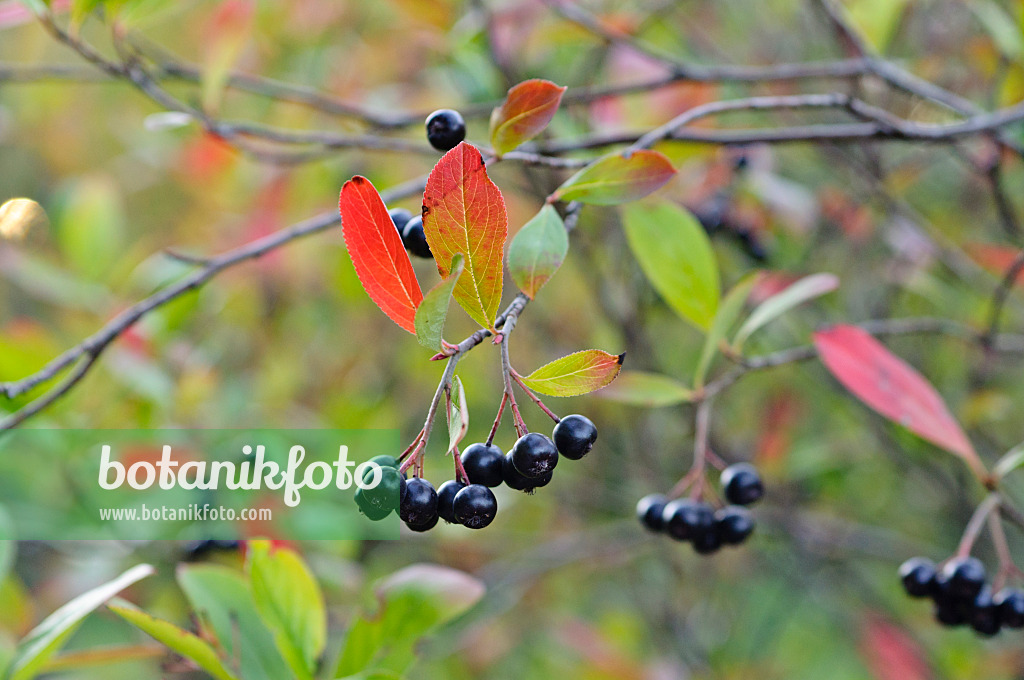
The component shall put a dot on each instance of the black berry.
(918, 576)
(400, 217)
(949, 613)
(742, 484)
(426, 526)
(734, 524)
(685, 520)
(534, 455)
(984, 617)
(483, 463)
(574, 436)
(515, 479)
(707, 541)
(649, 510)
(413, 238)
(446, 499)
(419, 506)
(964, 577)
(475, 506)
(1010, 602)
(445, 129)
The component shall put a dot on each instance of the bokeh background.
(576, 588)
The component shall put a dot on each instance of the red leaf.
(527, 110)
(376, 250)
(996, 259)
(890, 386)
(890, 653)
(464, 212)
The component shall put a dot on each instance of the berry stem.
(975, 525)
(1007, 567)
(411, 446)
(700, 448)
(416, 457)
(460, 472)
(536, 400)
(497, 418)
(506, 370)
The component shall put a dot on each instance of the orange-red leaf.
(893, 388)
(527, 110)
(464, 212)
(377, 252)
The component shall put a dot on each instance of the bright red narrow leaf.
(464, 212)
(377, 252)
(890, 386)
(527, 110)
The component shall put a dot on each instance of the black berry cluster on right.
(528, 466)
(411, 230)
(697, 522)
(962, 595)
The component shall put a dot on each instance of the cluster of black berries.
(696, 522)
(962, 596)
(528, 466)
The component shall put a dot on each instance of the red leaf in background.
(996, 259)
(890, 386)
(464, 212)
(15, 12)
(527, 110)
(891, 654)
(377, 252)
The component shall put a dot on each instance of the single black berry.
(649, 510)
(426, 526)
(413, 238)
(1010, 602)
(378, 502)
(419, 505)
(446, 500)
(445, 129)
(964, 577)
(984, 617)
(482, 463)
(534, 455)
(742, 484)
(918, 576)
(950, 614)
(734, 524)
(400, 217)
(515, 479)
(475, 506)
(707, 541)
(685, 519)
(574, 436)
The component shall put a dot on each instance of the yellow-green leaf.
(618, 178)
(726, 316)
(576, 374)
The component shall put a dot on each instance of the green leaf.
(538, 250)
(575, 374)
(458, 416)
(639, 388)
(876, 20)
(90, 226)
(619, 178)
(676, 256)
(411, 603)
(728, 312)
(290, 603)
(8, 544)
(433, 310)
(226, 610)
(174, 638)
(46, 638)
(1004, 31)
(796, 294)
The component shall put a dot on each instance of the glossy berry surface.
(649, 510)
(741, 484)
(734, 524)
(475, 506)
(400, 217)
(964, 577)
(534, 455)
(685, 519)
(483, 464)
(413, 238)
(446, 500)
(574, 436)
(515, 479)
(445, 129)
(419, 506)
(918, 576)
(426, 526)
(1010, 602)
